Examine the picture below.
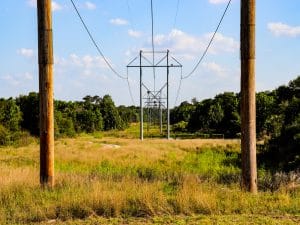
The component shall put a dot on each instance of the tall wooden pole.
(248, 107)
(46, 93)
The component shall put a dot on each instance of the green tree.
(215, 114)
(86, 115)
(10, 114)
(265, 110)
(182, 112)
(128, 114)
(282, 152)
(230, 125)
(199, 120)
(29, 106)
(63, 125)
(88, 120)
(110, 114)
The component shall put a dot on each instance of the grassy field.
(116, 180)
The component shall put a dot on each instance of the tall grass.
(113, 177)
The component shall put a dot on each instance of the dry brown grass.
(148, 178)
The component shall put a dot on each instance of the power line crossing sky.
(122, 27)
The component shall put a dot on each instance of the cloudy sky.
(123, 27)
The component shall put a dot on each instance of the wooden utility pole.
(248, 106)
(46, 93)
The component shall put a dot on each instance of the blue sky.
(123, 27)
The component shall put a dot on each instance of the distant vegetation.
(109, 177)
(278, 120)
(21, 115)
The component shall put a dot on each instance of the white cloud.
(119, 22)
(86, 63)
(26, 52)
(180, 42)
(28, 76)
(90, 5)
(221, 43)
(215, 68)
(31, 3)
(11, 80)
(218, 1)
(17, 79)
(55, 6)
(134, 33)
(281, 29)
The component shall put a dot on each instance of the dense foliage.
(278, 119)
(222, 114)
(282, 151)
(90, 115)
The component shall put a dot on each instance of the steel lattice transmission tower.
(155, 100)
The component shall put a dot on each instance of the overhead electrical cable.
(101, 53)
(176, 14)
(179, 88)
(204, 53)
(95, 44)
(130, 91)
(130, 15)
(210, 42)
(152, 39)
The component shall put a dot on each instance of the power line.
(210, 42)
(179, 89)
(95, 44)
(129, 88)
(176, 14)
(128, 8)
(130, 14)
(130, 92)
(203, 55)
(152, 35)
(102, 55)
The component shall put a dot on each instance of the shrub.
(4, 136)
(180, 126)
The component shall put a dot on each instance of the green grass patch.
(150, 182)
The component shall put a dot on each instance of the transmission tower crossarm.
(154, 98)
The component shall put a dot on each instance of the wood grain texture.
(45, 45)
(248, 106)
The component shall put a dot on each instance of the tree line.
(278, 118)
(221, 115)
(20, 116)
(277, 122)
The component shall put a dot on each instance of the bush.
(21, 138)
(17, 138)
(180, 126)
(10, 114)
(63, 125)
(4, 136)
